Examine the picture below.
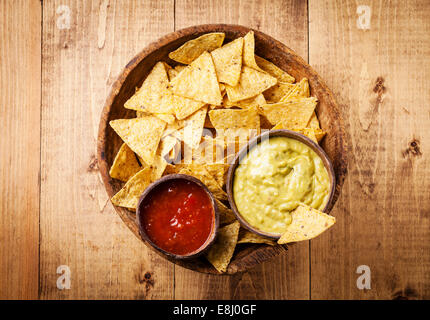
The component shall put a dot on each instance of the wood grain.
(380, 77)
(78, 225)
(20, 59)
(286, 276)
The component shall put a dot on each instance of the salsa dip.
(274, 177)
(178, 216)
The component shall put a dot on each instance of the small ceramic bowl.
(252, 143)
(152, 187)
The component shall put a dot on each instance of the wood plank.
(20, 76)
(287, 276)
(381, 79)
(79, 227)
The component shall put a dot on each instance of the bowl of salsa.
(274, 174)
(178, 216)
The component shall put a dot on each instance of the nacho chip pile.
(195, 111)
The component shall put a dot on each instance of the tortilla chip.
(248, 51)
(256, 101)
(129, 195)
(307, 223)
(142, 135)
(153, 96)
(278, 91)
(221, 252)
(192, 49)
(198, 81)
(292, 114)
(246, 236)
(251, 83)
(125, 164)
(193, 129)
(228, 62)
(226, 215)
(273, 70)
(204, 176)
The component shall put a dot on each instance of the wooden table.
(58, 60)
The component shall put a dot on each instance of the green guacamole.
(274, 177)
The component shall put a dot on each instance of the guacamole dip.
(274, 177)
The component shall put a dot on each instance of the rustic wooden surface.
(53, 83)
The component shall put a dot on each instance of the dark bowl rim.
(252, 143)
(209, 241)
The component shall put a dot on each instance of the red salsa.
(178, 216)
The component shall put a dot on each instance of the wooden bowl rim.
(269, 251)
(211, 238)
(252, 144)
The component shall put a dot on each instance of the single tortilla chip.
(278, 91)
(198, 81)
(193, 128)
(153, 96)
(200, 172)
(228, 62)
(125, 164)
(221, 252)
(249, 51)
(251, 83)
(192, 49)
(292, 114)
(129, 195)
(273, 70)
(142, 135)
(246, 236)
(226, 215)
(307, 223)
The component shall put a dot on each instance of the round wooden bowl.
(246, 255)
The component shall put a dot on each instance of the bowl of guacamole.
(272, 175)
